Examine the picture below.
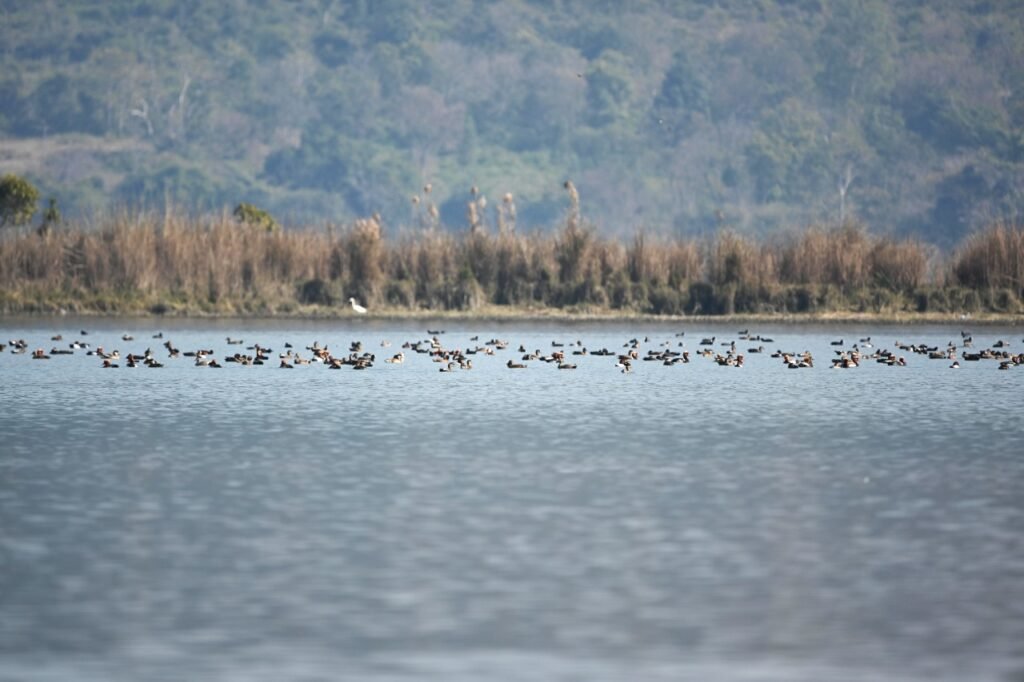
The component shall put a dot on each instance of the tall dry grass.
(992, 259)
(837, 257)
(170, 262)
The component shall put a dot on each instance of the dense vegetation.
(677, 117)
(172, 264)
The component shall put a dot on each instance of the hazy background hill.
(668, 115)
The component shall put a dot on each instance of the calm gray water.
(692, 522)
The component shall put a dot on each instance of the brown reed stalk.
(474, 210)
(573, 220)
(507, 214)
(572, 248)
(366, 257)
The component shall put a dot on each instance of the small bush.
(1002, 301)
(800, 300)
(702, 298)
(665, 300)
(317, 292)
(400, 293)
(254, 216)
(466, 294)
(971, 302)
(18, 199)
(933, 300)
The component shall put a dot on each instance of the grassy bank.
(170, 265)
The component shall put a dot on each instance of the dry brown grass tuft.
(992, 259)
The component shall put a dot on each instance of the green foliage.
(59, 105)
(683, 95)
(317, 292)
(856, 49)
(176, 186)
(18, 199)
(608, 90)
(952, 124)
(331, 49)
(254, 216)
(787, 152)
(389, 21)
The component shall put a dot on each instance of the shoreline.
(530, 315)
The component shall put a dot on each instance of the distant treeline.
(908, 114)
(172, 264)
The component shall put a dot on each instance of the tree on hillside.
(683, 95)
(18, 199)
(608, 90)
(789, 155)
(856, 50)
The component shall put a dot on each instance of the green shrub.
(317, 292)
(1001, 301)
(800, 300)
(971, 302)
(725, 299)
(934, 300)
(401, 293)
(665, 300)
(18, 199)
(466, 294)
(254, 216)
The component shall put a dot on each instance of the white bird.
(356, 307)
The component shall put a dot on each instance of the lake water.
(693, 522)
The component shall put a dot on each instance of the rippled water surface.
(688, 522)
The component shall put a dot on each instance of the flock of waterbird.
(564, 356)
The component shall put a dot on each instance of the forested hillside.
(677, 117)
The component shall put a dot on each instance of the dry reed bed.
(173, 264)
